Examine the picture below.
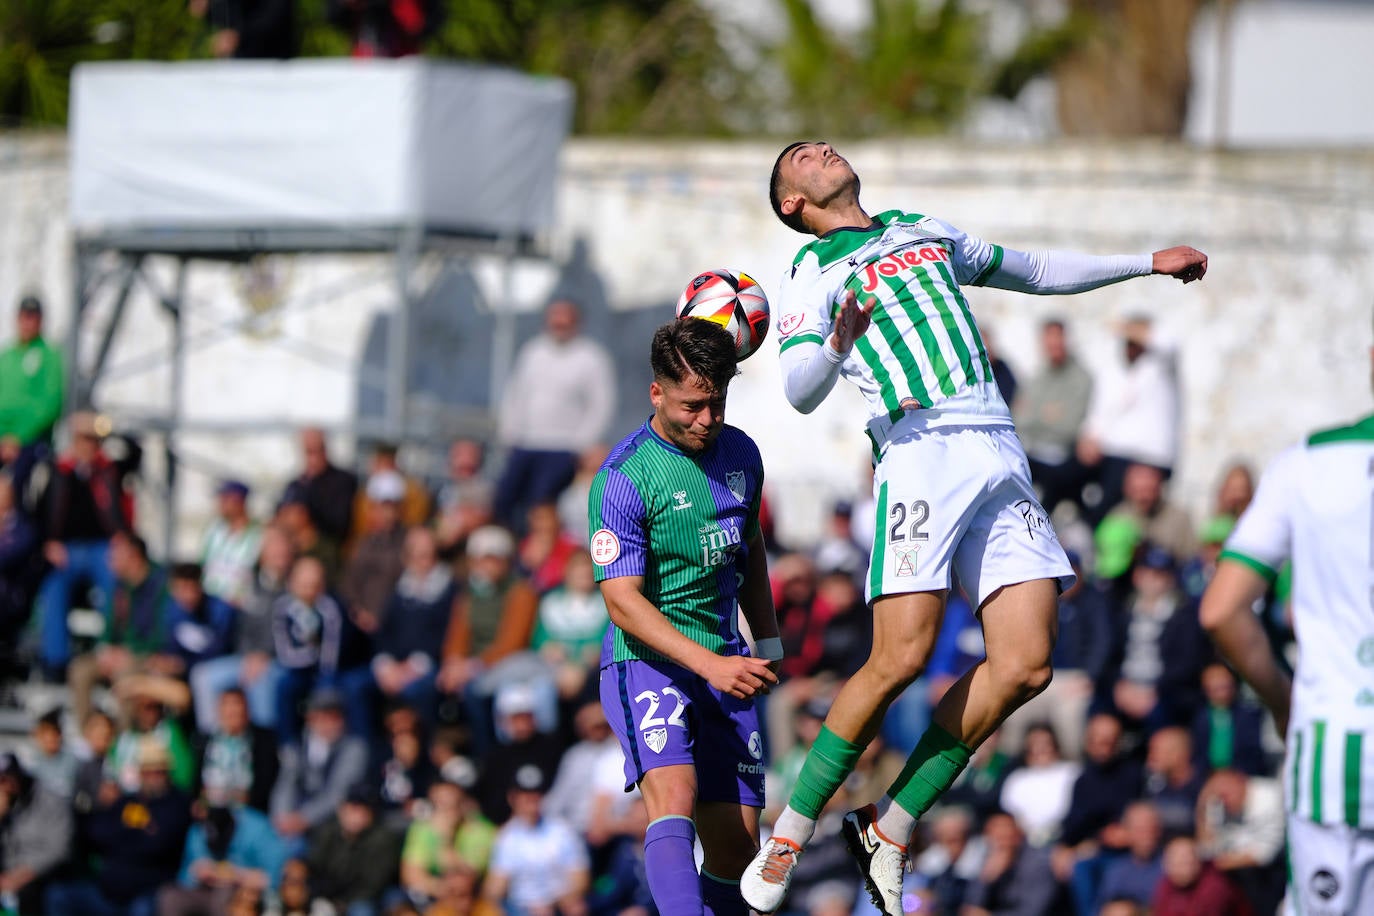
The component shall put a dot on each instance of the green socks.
(933, 766)
(827, 766)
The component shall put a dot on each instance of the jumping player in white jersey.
(878, 300)
(1314, 508)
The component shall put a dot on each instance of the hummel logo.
(682, 501)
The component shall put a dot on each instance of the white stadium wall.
(1273, 343)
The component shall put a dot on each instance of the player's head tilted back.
(693, 362)
(810, 175)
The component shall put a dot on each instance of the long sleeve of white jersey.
(809, 371)
(1049, 273)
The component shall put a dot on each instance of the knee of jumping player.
(895, 666)
(1021, 677)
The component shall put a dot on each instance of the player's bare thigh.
(670, 791)
(905, 626)
(1020, 626)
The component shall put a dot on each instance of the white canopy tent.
(230, 160)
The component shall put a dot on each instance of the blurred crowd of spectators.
(383, 697)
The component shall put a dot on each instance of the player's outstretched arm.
(1228, 616)
(1181, 262)
(738, 675)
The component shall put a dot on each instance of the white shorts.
(1331, 870)
(959, 498)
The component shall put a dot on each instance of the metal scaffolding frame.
(94, 274)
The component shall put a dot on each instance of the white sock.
(793, 826)
(894, 822)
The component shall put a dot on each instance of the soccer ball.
(732, 299)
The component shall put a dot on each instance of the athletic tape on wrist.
(769, 648)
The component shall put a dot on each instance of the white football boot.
(881, 862)
(764, 882)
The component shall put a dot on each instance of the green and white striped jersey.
(923, 350)
(1315, 508)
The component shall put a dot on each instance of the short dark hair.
(694, 347)
(234, 691)
(1054, 321)
(139, 545)
(187, 572)
(790, 220)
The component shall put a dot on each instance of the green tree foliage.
(42, 40)
(914, 67)
(647, 67)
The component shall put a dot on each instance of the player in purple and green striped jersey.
(878, 300)
(674, 520)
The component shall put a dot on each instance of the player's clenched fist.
(1183, 262)
(741, 676)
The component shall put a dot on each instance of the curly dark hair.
(697, 347)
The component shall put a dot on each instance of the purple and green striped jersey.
(684, 523)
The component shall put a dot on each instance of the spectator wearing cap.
(35, 833)
(137, 610)
(47, 758)
(249, 665)
(538, 863)
(317, 773)
(494, 622)
(1158, 652)
(32, 375)
(136, 839)
(237, 762)
(371, 572)
(87, 506)
(231, 547)
(352, 857)
(453, 835)
(229, 849)
(520, 743)
(325, 490)
(414, 502)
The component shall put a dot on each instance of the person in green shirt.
(31, 383)
(455, 835)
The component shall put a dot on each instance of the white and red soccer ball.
(732, 299)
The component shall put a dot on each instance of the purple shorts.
(665, 715)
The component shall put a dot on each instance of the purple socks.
(670, 865)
